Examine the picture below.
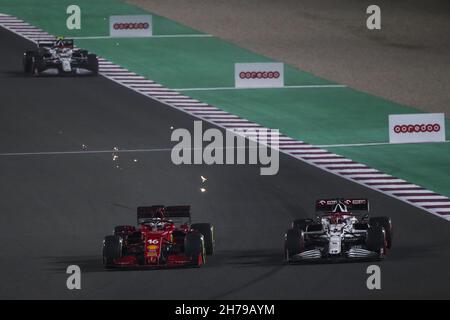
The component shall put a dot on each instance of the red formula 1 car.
(164, 237)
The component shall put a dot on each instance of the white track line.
(90, 152)
(369, 144)
(50, 153)
(406, 193)
(370, 176)
(150, 37)
(312, 86)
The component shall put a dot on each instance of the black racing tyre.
(92, 63)
(386, 223)
(294, 243)
(134, 237)
(164, 255)
(194, 248)
(315, 227)
(360, 226)
(124, 230)
(301, 224)
(36, 65)
(376, 239)
(27, 61)
(207, 230)
(112, 249)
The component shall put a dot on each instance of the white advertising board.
(422, 127)
(259, 75)
(130, 26)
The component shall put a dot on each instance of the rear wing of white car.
(51, 43)
(342, 205)
(45, 43)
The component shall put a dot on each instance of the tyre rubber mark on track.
(405, 191)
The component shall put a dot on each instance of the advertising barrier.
(422, 127)
(130, 26)
(259, 75)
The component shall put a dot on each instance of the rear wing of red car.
(178, 212)
(169, 212)
(330, 205)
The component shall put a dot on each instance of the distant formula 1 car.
(338, 233)
(158, 241)
(59, 57)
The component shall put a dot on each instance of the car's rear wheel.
(27, 61)
(36, 65)
(92, 63)
(301, 224)
(207, 230)
(124, 230)
(294, 243)
(194, 248)
(112, 250)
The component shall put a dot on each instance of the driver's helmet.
(156, 224)
(337, 218)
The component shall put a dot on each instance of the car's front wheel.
(386, 223)
(194, 248)
(294, 243)
(112, 250)
(376, 240)
(207, 230)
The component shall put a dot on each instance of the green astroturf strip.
(317, 115)
(51, 16)
(425, 164)
(186, 62)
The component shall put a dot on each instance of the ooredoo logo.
(259, 75)
(417, 128)
(131, 26)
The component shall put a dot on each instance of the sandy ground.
(407, 61)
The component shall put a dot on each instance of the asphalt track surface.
(55, 209)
